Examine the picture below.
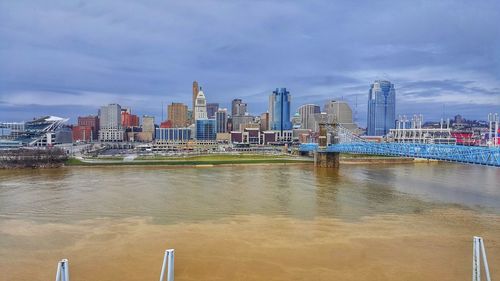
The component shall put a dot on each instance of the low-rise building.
(173, 134)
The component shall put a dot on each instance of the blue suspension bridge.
(346, 142)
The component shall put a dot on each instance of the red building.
(129, 120)
(82, 133)
(91, 122)
(166, 124)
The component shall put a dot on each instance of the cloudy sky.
(67, 58)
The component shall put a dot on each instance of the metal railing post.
(62, 273)
(168, 265)
(479, 251)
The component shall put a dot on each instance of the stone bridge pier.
(326, 159)
(323, 158)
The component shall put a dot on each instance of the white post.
(476, 260)
(496, 130)
(58, 273)
(490, 119)
(62, 270)
(168, 265)
(478, 250)
(485, 260)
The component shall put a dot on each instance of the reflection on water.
(249, 223)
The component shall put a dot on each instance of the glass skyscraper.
(279, 109)
(206, 129)
(381, 108)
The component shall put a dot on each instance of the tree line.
(32, 158)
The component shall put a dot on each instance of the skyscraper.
(178, 114)
(221, 118)
(279, 107)
(306, 113)
(200, 107)
(196, 89)
(110, 123)
(148, 127)
(264, 121)
(238, 107)
(381, 108)
(270, 110)
(340, 112)
(212, 109)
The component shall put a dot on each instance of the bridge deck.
(454, 153)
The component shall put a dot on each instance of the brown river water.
(280, 222)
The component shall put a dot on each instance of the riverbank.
(203, 160)
(231, 159)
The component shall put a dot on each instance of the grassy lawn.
(115, 158)
(215, 159)
(212, 157)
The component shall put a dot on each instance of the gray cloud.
(70, 56)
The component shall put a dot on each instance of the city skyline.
(68, 59)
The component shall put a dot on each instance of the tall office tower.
(178, 114)
(238, 108)
(280, 100)
(271, 110)
(110, 122)
(221, 119)
(264, 121)
(196, 89)
(306, 113)
(381, 108)
(340, 112)
(212, 109)
(200, 107)
(148, 128)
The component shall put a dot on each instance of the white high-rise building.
(110, 121)
(271, 111)
(200, 110)
(110, 116)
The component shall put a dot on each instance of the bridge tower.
(322, 158)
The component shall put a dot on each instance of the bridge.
(346, 142)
